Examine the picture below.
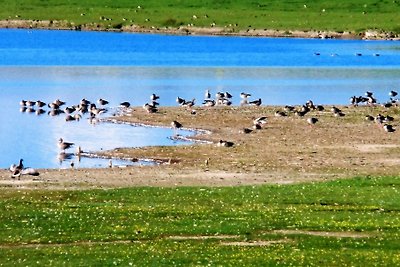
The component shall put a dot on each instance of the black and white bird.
(312, 120)
(154, 97)
(225, 143)
(257, 102)
(176, 125)
(125, 104)
(389, 128)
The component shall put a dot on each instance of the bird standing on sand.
(389, 128)
(312, 120)
(18, 170)
(256, 102)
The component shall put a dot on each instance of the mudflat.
(287, 149)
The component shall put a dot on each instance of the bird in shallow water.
(64, 145)
(176, 125)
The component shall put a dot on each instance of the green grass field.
(354, 16)
(354, 222)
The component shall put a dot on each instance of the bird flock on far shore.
(75, 113)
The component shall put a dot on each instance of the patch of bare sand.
(325, 234)
(256, 243)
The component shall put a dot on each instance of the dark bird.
(257, 102)
(125, 104)
(389, 128)
(150, 108)
(176, 125)
(180, 101)
(102, 102)
(154, 97)
(260, 120)
(207, 94)
(225, 143)
(279, 113)
(312, 121)
(247, 130)
(18, 170)
(40, 104)
(392, 93)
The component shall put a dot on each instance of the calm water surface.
(47, 65)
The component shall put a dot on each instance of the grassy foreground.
(352, 222)
(235, 15)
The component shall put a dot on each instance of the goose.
(312, 120)
(335, 109)
(369, 118)
(40, 104)
(189, 103)
(280, 114)
(58, 102)
(102, 102)
(30, 103)
(339, 114)
(180, 101)
(256, 102)
(209, 102)
(154, 97)
(125, 104)
(225, 143)
(207, 94)
(176, 125)
(368, 93)
(70, 110)
(53, 106)
(150, 108)
(14, 167)
(257, 126)
(227, 95)
(40, 111)
(246, 130)
(289, 108)
(260, 120)
(319, 108)
(392, 93)
(310, 104)
(244, 95)
(219, 95)
(28, 171)
(84, 102)
(389, 128)
(54, 112)
(22, 103)
(64, 145)
(226, 102)
(76, 117)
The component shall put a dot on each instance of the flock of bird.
(75, 112)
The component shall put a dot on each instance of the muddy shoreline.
(185, 30)
(286, 150)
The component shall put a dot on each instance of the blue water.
(70, 48)
(71, 65)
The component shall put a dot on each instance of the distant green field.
(341, 15)
(354, 222)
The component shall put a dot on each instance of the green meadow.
(352, 222)
(355, 16)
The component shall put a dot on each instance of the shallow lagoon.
(47, 65)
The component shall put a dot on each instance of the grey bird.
(64, 145)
